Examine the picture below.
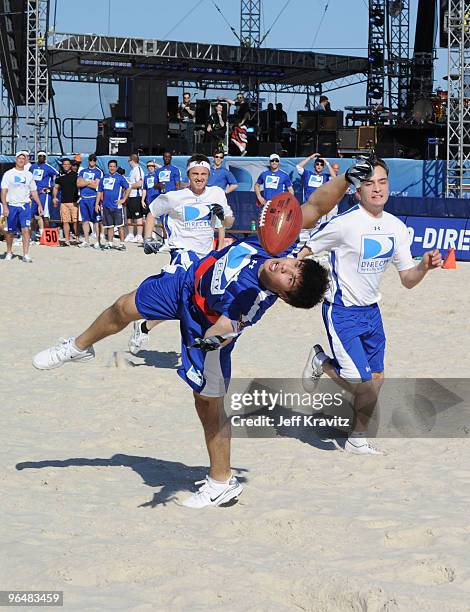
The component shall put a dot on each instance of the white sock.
(217, 483)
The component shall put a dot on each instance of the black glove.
(212, 343)
(361, 171)
(151, 246)
(218, 211)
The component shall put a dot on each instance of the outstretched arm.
(430, 261)
(323, 200)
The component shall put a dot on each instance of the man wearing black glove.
(362, 243)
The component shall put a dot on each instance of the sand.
(96, 459)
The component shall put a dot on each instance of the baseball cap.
(274, 156)
(25, 153)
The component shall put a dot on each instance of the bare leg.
(365, 394)
(121, 233)
(25, 236)
(209, 410)
(67, 231)
(9, 241)
(140, 227)
(111, 321)
(110, 234)
(86, 230)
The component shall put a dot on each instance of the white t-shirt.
(20, 184)
(190, 223)
(360, 249)
(136, 175)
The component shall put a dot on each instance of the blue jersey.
(170, 175)
(43, 175)
(312, 181)
(221, 178)
(112, 187)
(149, 185)
(273, 183)
(226, 283)
(89, 174)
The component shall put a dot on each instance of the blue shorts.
(18, 217)
(357, 339)
(44, 198)
(167, 297)
(179, 257)
(87, 209)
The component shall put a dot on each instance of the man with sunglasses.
(312, 180)
(220, 176)
(272, 181)
(150, 188)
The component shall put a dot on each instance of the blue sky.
(343, 30)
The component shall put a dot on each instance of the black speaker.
(307, 121)
(265, 149)
(205, 148)
(124, 148)
(327, 145)
(172, 106)
(203, 110)
(327, 122)
(348, 138)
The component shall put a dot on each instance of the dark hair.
(65, 159)
(167, 151)
(319, 160)
(323, 98)
(197, 157)
(312, 286)
(377, 161)
(186, 93)
(92, 157)
(112, 161)
(218, 152)
(134, 157)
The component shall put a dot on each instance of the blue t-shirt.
(273, 183)
(221, 178)
(149, 185)
(89, 174)
(312, 181)
(230, 285)
(170, 175)
(112, 187)
(43, 175)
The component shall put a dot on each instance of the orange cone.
(449, 261)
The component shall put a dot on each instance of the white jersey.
(190, 223)
(136, 175)
(360, 249)
(20, 184)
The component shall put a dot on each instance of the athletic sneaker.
(313, 368)
(213, 494)
(129, 238)
(121, 247)
(360, 446)
(84, 245)
(108, 246)
(138, 339)
(97, 246)
(8, 256)
(139, 238)
(26, 259)
(56, 356)
(67, 243)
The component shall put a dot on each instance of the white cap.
(42, 153)
(25, 153)
(274, 156)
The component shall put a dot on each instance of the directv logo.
(376, 253)
(442, 238)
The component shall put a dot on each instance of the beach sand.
(96, 459)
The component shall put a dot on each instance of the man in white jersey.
(135, 209)
(361, 242)
(18, 187)
(192, 214)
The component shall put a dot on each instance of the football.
(280, 222)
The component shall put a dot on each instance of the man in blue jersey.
(223, 294)
(44, 176)
(169, 176)
(150, 189)
(312, 180)
(88, 182)
(272, 181)
(220, 176)
(361, 242)
(114, 189)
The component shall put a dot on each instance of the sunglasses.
(151, 166)
(218, 156)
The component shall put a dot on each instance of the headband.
(198, 164)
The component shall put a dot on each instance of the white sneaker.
(138, 339)
(84, 245)
(360, 446)
(108, 246)
(121, 246)
(165, 248)
(97, 246)
(213, 494)
(26, 259)
(129, 238)
(56, 356)
(8, 256)
(313, 368)
(139, 238)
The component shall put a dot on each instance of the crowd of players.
(94, 208)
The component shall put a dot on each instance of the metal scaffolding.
(37, 76)
(250, 23)
(8, 121)
(376, 53)
(398, 62)
(458, 112)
